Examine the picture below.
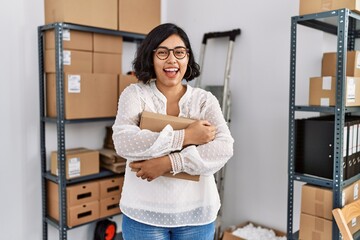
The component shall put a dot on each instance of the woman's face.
(170, 70)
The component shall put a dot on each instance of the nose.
(171, 58)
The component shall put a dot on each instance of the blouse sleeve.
(135, 144)
(208, 158)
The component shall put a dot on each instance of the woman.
(155, 207)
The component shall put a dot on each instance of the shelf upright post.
(342, 41)
(42, 130)
(291, 150)
(60, 121)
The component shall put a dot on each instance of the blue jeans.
(133, 230)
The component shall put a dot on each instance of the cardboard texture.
(124, 81)
(133, 18)
(156, 122)
(96, 13)
(329, 63)
(111, 187)
(316, 6)
(79, 162)
(73, 61)
(108, 141)
(86, 95)
(107, 43)
(322, 91)
(110, 156)
(109, 206)
(229, 236)
(314, 228)
(107, 63)
(72, 40)
(114, 167)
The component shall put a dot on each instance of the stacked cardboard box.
(87, 201)
(316, 6)
(124, 15)
(316, 207)
(323, 89)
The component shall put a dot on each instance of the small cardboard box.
(316, 6)
(73, 61)
(86, 95)
(107, 63)
(106, 43)
(156, 122)
(79, 162)
(329, 63)
(314, 228)
(109, 206)
(229, 236)
(72, 40)
(322, 91)
(75, 194)
(96, 13)
(126, 80)
(111, 187)
(133, 18)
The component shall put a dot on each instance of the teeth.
(171, 69)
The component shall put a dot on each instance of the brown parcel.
(156, 122)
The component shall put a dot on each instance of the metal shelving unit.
(60, 121)
(343, 24)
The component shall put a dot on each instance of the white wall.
(256, 181)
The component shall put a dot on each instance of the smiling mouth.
(171, 72)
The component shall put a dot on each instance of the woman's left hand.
(151, 168)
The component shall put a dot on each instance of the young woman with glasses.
(155, 207)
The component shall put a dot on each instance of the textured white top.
(170, 202)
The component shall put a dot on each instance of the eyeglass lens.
(163, 52)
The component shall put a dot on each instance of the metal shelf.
(60, 121)
(345, 25)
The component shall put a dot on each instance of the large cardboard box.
(322, 91)
(96, 13)
(109, 206)
(133, 18)
(124, 81)
(329, 63)
(315, 6)
(73, 61)
(229, 236)
(79, 162)
(111, 187)
(72, 40)
(156, 122)
(314, 228)
(107, 63)
(75, 194)
(86, 95)
(107, 43)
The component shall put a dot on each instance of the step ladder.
(223, 94)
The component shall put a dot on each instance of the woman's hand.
(199, 132)
(152, 168)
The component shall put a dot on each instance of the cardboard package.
(124, 81)
(107, 63)
(72, 40)
(106, 43)
(316, 6)
(133, 18)
(86, 95)
(79, 162)
(73, 61)
(229, 236)
(322, 91)
(109, 206)
(111, 161)
(95, 13)
(314, 228)
(111, 187)
(156, 122)
(329, 63)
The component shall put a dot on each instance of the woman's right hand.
(199, 132)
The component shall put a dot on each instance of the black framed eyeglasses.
(163, 53)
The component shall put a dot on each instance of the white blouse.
(170, 202)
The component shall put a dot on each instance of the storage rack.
(345, 28)
(60, 122)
